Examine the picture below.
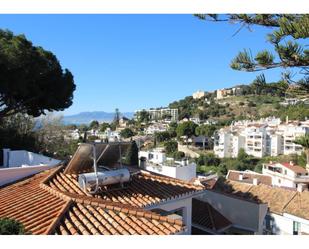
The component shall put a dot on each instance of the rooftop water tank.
(89, 180)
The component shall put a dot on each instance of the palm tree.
(304, 141)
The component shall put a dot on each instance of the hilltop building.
(199, 94)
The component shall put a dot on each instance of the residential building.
(167, 114)
(53, 201)
(226, 92)
(156, 161)
(18, 164)
(260, 138)
(199, 94)
(257, 208)
(154, 128)
(287, 175)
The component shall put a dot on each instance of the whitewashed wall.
(16, 158)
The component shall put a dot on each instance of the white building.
(18, 164)
(157, 162)
(287, 175)
(198, 95)
(112, 136)
(167, 114)
(260, 138)
(157, 127)
(258, 208)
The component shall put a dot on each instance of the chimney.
(291, 163)
(240, 177)
(287, 119)
(301, 187)
(255, 181)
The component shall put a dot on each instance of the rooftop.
(279, 200)
(248, 177)
(51, 202)
(204, 215)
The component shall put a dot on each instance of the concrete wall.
(9, 175)
(17, 158)
(185, 204)
(185, 173)
(243, 214)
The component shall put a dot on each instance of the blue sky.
(140, 61)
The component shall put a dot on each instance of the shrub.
(11, 227)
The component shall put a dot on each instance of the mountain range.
(87, 117)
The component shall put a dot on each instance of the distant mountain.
(87, 117)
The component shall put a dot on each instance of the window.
(285, 172)
(296, 228)
(279, 181)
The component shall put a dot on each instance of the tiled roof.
(299, 205)
(203, 214)
(145, 189)
(52, 203)
(279, 200)
(295, 168)
(248, 177)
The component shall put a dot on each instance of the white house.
(258, 208)
(157, 162)
(287, 175)
(18, 164)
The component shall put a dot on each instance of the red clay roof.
(52, 203)
(203, 214)
(295, 168)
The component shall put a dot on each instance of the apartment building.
(260, 138)
(157, 127)
(161, 114)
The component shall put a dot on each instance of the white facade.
(159, 114)
(152, 129)
(157, 162)
(285, 224)
(20, 163)
(285, 176)
(262, 138)
(198, 95)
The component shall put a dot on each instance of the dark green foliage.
(126, 133)
(170, 147)
(11, 227)
(178, 155)
(162, 136)
(32, 79)
(186, 129)
(104, 126)
(131, 157)
(94, 125)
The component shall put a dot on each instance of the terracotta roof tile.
(52, 203)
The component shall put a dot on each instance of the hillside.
(248, 104)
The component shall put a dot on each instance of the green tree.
(186, 129)
(304, 141)
(131, 157)
(162, 136)
(94, 125)
(11, 227)
(32, 79)
(104, 126)
(143, 116)
(127, 133)
(287, 30)
(170, 147)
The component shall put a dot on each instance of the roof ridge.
(58, 218)
(296, 194)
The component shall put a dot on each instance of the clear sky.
(140, 61)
